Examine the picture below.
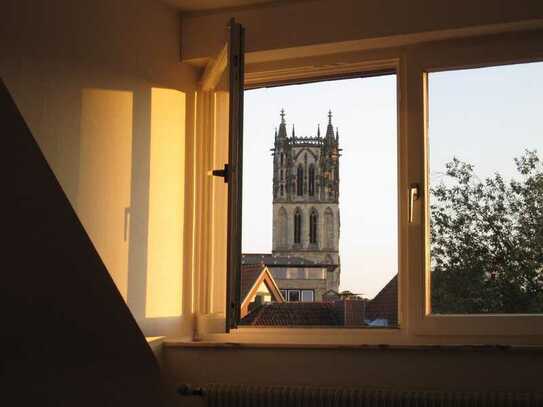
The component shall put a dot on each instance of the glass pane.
(294, 295)
(486, 190)
(320, 211)
(307, 295)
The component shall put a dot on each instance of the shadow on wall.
(72, 339)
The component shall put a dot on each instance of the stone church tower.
(306, 199)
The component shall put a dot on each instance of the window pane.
(307, 295)
(486, 189)
(293, 295)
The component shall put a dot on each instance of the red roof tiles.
(294, 314)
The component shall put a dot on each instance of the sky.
(484, 116)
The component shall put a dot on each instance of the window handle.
(221, 173)
(414, 194)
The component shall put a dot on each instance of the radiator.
(221, 395)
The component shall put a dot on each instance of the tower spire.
(330, 128)
(318, 130)
(293, 134)
(282, 126)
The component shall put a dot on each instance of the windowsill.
(154, 339)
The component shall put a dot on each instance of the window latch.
(221, 173)
(414, 194)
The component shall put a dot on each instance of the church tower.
(306, 199)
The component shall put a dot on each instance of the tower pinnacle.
(282, 126)
(330, 128)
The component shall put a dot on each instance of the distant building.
(382, 310)
(299, 279)
(257, 288)
(306, 212)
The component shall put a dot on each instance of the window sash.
(449, 55)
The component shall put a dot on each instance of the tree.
(487, 240)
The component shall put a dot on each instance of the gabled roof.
(385, 304)
(251, 278)
(294, 314)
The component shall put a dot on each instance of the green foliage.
(487, 240)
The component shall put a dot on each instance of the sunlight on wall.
(166, 204)
(219, 216)
(104, 176)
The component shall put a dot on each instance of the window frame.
(409, 63)
(373, 67)
(496, 50)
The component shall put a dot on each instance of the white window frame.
(486, 52)
(411, 63)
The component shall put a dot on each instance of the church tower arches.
(313, 226)
(329, 229)
(282, 225)
(298, 226)
(311, 176)
(300, 180)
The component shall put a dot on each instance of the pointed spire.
(282, 126)
(293, 134)
(337, 136)
(330, 128)
(318, 130)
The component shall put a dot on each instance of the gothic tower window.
(282, 175)
(282, 159)
(300, 181)
(297, 226)
(282, 190)
(313, 218)
(282, 237)
(329, 228)
(311, 180)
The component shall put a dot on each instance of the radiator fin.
(223, 395)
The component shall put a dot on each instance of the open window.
(321, 211)
(408, 291)
(219, 116)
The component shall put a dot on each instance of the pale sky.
(484, 116)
